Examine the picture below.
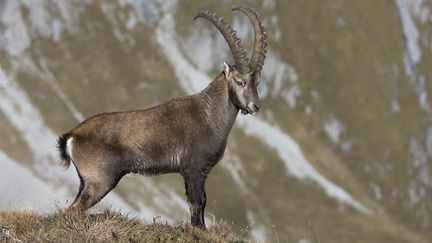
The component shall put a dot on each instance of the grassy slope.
(104, 227)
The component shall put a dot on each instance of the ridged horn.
(234, 43)
(259, 50)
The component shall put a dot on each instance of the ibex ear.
(227, 69)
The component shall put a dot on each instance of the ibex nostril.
(253, 107)
(256, 107)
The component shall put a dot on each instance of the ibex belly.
(162, 164)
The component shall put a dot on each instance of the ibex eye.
(241, 83)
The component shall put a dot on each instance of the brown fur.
(185, 135)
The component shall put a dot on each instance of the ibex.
(185, 135)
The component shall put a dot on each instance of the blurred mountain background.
(341, 150)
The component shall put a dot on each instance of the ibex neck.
(219, 110)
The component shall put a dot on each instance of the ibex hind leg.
(93, 191)
(80, 189)
(94, 186)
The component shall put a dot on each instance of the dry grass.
(25, 226)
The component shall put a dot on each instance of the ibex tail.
(62, 144)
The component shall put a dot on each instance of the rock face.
(341, 150)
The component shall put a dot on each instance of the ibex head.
(243, 77)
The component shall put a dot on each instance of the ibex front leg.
(195, 192)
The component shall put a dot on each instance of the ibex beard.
(186, 135)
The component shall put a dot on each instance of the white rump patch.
(69, 147)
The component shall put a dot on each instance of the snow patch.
(56, 29)
(3, 80)
(15, 38)
(39, 17)
(21, 189)
(274, 23)
(420, 161)
(279, 73)
(376, 191)
(165, 200)
(70, 14)
(409, 29)
(131, 21)
(428, 140)
(189, 77)
(20, 111)
(304, 240)
(205, 39)
(257, 231)
(241, 24)
(394, 105)
(407, 10)
(50, 79)
(293, 158)
(269, 4)
(333, 128)
(147, 11)
(290, 96)
(420, 183)
(341, 22)
(45, 18)
(235, 169)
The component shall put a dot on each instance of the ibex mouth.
(248, 111)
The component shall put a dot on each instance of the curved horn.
(234, 43)
(259, 50)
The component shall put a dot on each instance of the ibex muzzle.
(185, 135)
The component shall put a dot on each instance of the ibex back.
(185, 135)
